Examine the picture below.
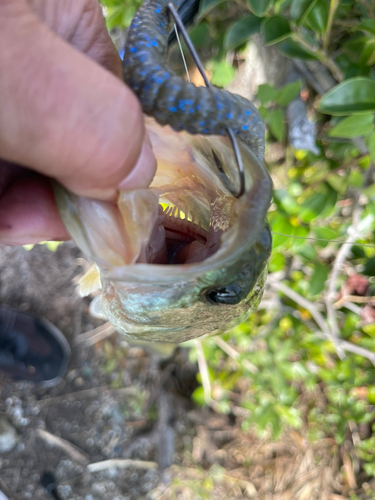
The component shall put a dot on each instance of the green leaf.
(319, 277)
(355, 179)
(280, 224)
(353, 126)
(276, 124)
(300, 8)
(206, 5)
(317, 17)
(353, 96)
(318, 204)
(276, 262)
(200, 35)
(266, 93)
(288, 93)
(325, 233)
(285, 201)
(338, 182)
(198, 396)
(259, 7)
(369, 269)
(367, 25)
(222, 74)
(367, 57)
(241, 31)
(275, 29)
(295, 50)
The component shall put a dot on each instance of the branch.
(63, 444)
(350, 347)
(332, 9)
(341, 257)
(121, 463)
(305, 303)
(203, 369)
(234, 355)
(318, 317)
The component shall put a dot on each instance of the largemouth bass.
(185, 257)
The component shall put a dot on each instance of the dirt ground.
(121, 425)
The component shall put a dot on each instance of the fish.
(185, 257)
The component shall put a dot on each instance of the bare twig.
(353, 298)
(352, 307)
(234, 354)
(318, 317)
(64, 445)
(348, 468)
(121, 463)
(350, 347)
(323, 57)
(341, 257)
(96, 335)
(332, 9)
(306, 304)
(203, 369)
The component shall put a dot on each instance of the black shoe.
(31, 348)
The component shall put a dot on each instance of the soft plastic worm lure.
(173, 101)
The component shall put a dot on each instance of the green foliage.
(272, 101)
(241, 30)
(353, 96)
(119, 13)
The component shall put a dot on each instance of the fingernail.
(143, 171)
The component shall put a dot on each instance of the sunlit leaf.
(259, 7)
(275, 29)
(355, 179)
(353, 96)
(280, 224)
(285, 201)
(241, 31)
(222, 73)
(353, 126)
(276, 262)
(338, 182)
(266, 93)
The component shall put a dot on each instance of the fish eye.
(230, 294)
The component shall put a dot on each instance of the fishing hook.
(232, 138)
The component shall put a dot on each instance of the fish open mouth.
(184, 217)
(187, 238)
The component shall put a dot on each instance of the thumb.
(65, 116)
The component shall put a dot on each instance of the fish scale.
(173, 101)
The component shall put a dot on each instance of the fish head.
(185, 257)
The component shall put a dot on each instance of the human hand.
(65, 114)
